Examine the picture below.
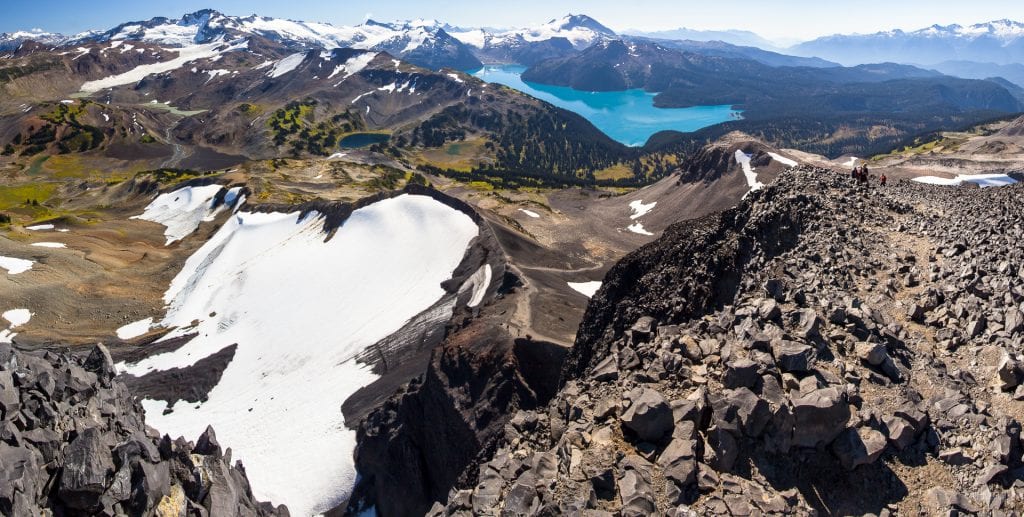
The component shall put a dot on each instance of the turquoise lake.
(627, 116)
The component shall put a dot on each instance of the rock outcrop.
(428, 437)
(822, 348)
(73, 441)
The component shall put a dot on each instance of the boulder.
(899, 431)
(741, 373)
(607, 369)
(649, 417)
(856, 447)
(768, 309)
(100, 363)
(873, 354)
(635, 489)
(819, 417)
(679, 462)
(1008, 373)
(720, 449)
(792, 357)
(88, 468)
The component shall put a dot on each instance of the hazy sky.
(783, 19)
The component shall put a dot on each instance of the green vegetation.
(386, 177)
(174, 176)
(547, 144)
(28, 195)
(413, 178)
(62, 129)
(11, 73)
(296, 126)
(147, 139)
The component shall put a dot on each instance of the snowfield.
(287, 65)
(585, 288)
(744, 160)
(182, 210)
(783, 160)
(186, 55)
(135, 329)
(300, 310)
(15, 266)
(982, 180)
(353, 65)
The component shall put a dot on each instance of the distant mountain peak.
(573, 21)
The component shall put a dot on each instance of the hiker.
(855, 173)
(883, 179)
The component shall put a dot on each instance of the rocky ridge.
(822, 348)
(73, 441)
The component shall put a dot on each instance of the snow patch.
(982, 180)
(49, 244)
(17, 317)
(216, 73)
(456, 78)
(587, 289)
(287, 65)
(852, 162)
(300, 310)
(181, 211)
(744, 160)
(638, 228)
(783, 160)
(40, 227)
(353, 65)
(530, 213)
(185, 55)
(478, 282)
(135, 329)
(640, 209)
(15, 266)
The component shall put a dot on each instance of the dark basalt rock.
(80, 446)
(804, 343)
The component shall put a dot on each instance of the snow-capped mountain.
(1000, 42)
(420, 42)
(11, 41)
(555, 38)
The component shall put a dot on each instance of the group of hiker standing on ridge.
(863, 176)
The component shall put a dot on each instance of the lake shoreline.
(628, 116)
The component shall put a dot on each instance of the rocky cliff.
(429, 436)
(821, 348)
(73, 441)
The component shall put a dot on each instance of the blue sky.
(781, 19)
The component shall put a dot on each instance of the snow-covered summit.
(580, 30)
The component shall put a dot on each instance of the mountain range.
(979, 51)
(1000, 42)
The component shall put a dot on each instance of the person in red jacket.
(883, 179)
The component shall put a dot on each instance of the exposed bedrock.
(820, 349)
(73, 441)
